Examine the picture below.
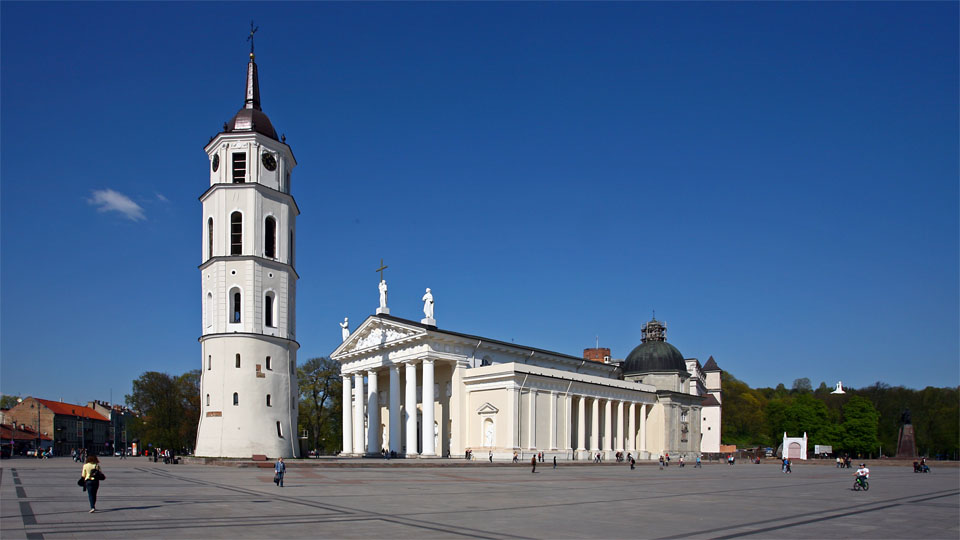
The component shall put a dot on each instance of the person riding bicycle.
(862, 474)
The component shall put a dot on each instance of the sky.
(778, 181)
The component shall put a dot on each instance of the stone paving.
(40, 499)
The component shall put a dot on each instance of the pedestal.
(906, 442)
(429, 321)
(383, 311)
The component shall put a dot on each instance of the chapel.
(414, 389)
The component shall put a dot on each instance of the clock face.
(269, 162)
(216, 162)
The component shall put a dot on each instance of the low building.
(17, 440)
(70, 426)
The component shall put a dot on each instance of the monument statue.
(906, 439)
(905, 417)
(428, 304)
(383, 294)
(345, 328)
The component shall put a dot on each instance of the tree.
(188, 387)
(160, 401)
(860, 420)
(8, 402)
(802, 385)
(321, 396)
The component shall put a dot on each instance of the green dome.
(654, 356)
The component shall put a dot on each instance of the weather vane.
(250, 37)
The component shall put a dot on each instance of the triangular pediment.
(487, 408)
(375, 333)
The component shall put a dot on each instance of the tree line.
(863, 421)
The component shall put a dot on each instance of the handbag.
(98, 474)
(276, 478)
(80, 483)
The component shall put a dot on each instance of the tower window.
(209, 362)
(268, 310)
(208, 400)
(236, 304)
(236, 233)
(270, 238)
(236, 398)
(268, 364)
(238, 360)
(239, 167)
(210, 238)
(279, 430)
(268, 401)
(209, 311)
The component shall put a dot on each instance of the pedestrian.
(491, 456)
(661, 462)
(515, 457)
(681, 462)
(91, 475)
(279, 469)
(697, 466)
(788, 467)
(533, 462)
(554, 462)
(633, 462)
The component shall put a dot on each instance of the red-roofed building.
(17, 439)
(70, 426)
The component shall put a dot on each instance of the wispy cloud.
(108, 200)
(161, 198)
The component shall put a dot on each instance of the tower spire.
(252, 99)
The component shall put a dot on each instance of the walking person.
(554, 462)
(661, 462)
(533, 462)
(633, 462)
(279, 469)
(491, 456)
(91, 476)
(697, 466)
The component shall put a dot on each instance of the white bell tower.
(248, 386)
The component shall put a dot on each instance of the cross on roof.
(250, 37)
(381, 269)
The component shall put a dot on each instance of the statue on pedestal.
(428, 304)
(345, 328)
(383, 294)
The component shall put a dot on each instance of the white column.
(410, 407)
(532, 419)
(514, 421)
(347, 414)
(581, 424)
(632, 428)
(607, 422)
(429, 448)
(394, 429)
(619, 444)
(358, 401)
(595, 432)
(643, 428)
(568, 422)
(553, 420)
(373, 414)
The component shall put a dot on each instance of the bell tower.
(248, 386)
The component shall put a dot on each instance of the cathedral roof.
(654, 353)
(251, 118)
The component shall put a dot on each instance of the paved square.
(147, 500)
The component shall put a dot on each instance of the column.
(514, 421)
(347, 414)
(358, 401)
(581, 424)
(619, 444)
(632, 428)
(643, 428)
(532, 419)
(568, 422)
(373, 414)
(394, 429)
(553, 420)
(428, 446)
(595, 432)
(410, 408)
(607, 422)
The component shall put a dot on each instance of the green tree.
(742, 418)
(802, 385)
(321, 396)
(159, 401)
(860, 420)
(188, 389)
(8, 402)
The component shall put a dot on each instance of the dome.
(654, 356)
(251, 120)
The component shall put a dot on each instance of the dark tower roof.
(654, 353)
(251, 118)
(711, 365)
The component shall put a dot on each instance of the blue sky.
(778, 181)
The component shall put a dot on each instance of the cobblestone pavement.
(40, 499)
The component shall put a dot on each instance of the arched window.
(210, 238)
(209, 361)
(236, 398)
(268, 363)
(236, 305)
(268, 401)
(268, 306)
(270, 238)
(208, 400)
(209, 310)
(238, 360)
(279, 430)
(236, 233)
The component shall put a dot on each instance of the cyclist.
(862, 474)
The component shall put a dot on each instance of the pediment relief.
(376, 333)
(487, 408)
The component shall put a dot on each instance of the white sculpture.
(428, 304)
(839, 389)
(345, 328)
(383, 294)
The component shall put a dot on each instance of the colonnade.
(353, 410)
(613, 438)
